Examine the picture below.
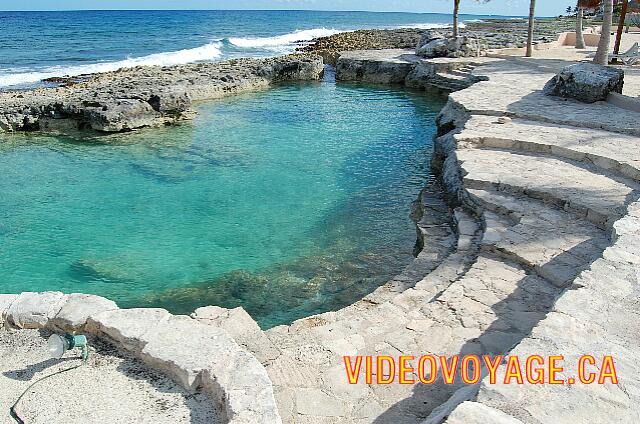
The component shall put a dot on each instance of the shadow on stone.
(513, 323)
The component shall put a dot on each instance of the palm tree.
(532, 11)
(456, 10)
(602, 54)
(579, 34)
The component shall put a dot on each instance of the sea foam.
(207, 52)
(284, 40)
(432, 25)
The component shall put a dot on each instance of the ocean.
(38, 45)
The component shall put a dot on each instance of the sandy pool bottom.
(111, 388)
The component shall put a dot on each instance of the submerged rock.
(586, 82)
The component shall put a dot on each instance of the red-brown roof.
(589, 4)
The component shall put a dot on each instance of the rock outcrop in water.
(438, 44)
(145, 96)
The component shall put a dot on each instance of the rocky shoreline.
(133, 98)
(494, 33)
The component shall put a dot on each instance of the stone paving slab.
(571, 330)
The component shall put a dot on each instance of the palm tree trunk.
(579, 34)
(532, 11)
(602, 54)
(456, 8)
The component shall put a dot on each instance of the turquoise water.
(288, 202)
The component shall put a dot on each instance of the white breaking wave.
(207, 52)
(431, 25)
(424, 26)
(284, 40)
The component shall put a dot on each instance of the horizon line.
(266, 10)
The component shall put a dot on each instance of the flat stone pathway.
(514, 89)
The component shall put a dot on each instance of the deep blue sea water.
(37, 45)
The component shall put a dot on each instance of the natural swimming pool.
(288, 202)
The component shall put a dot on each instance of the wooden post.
(623, 16)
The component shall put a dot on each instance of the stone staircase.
(549, 217)
(575, 187)
(527, 224)
(561, 202)
(529, 252)
(455, 79)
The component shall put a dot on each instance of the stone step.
(452, 75)
(446, 86)
(538, 235)
(436, 240)
(460, 72)
(613, 152)
(573, 186)
(453, 80)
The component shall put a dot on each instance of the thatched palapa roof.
(589, 4)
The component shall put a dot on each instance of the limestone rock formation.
(239, 324)
(586, 82)
(438, 44)
(128, 99)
